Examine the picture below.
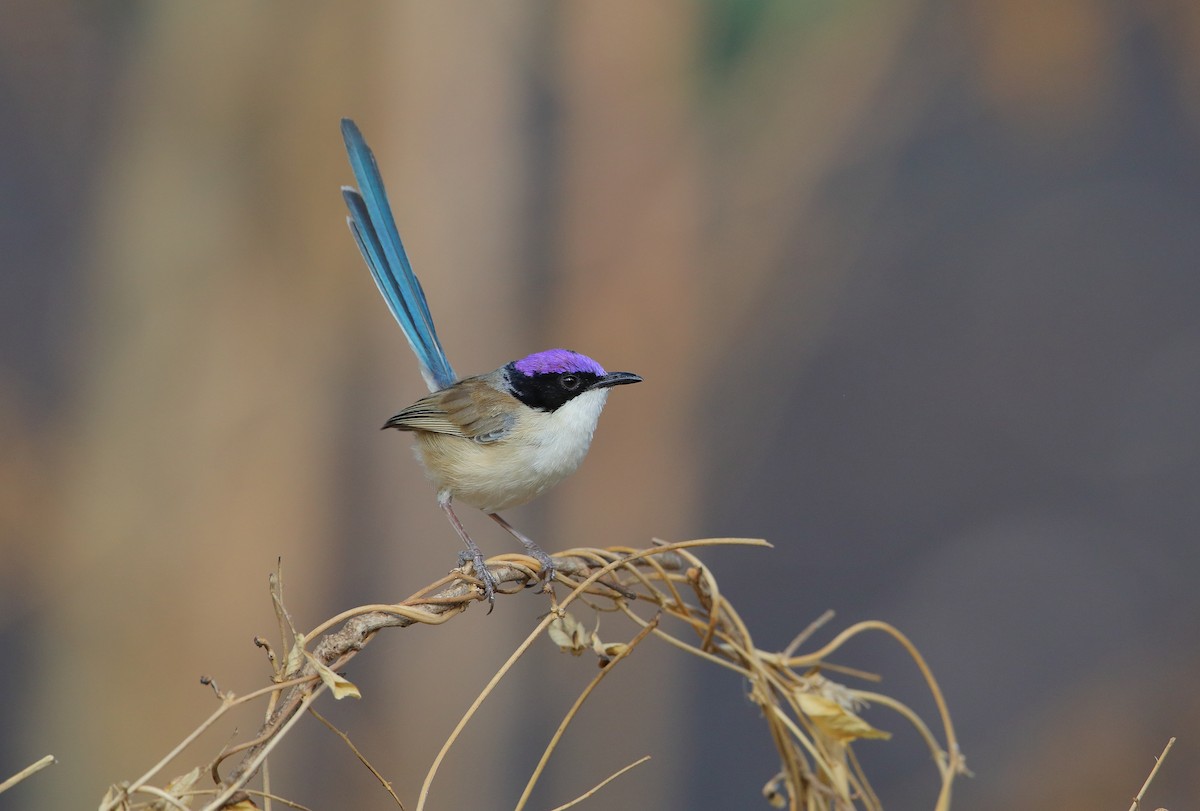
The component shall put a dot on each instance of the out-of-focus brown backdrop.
(914, 285)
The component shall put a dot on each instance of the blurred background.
(913, 285)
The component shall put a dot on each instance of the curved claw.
(549, 570)
(485, 576)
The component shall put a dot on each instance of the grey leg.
(535, 551)
(481, 569)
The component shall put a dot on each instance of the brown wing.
(472, 409)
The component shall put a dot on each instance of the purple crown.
(557, 361)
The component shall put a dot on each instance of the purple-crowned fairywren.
(494, 440)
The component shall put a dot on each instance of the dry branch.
(812, 719)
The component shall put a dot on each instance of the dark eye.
(569, 382)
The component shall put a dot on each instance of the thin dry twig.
(265, 795)
(571, 713)
(31, 769)
(1141, 795)
(592, 791)
(119, 799)
(476, 704)
(165, 796)
(259, 754)
(387, 786)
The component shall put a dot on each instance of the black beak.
(616, 379)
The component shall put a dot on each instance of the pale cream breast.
(538, 452)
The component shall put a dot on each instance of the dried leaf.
(110, 796)
(296, 655)
(338, 685)
(837, 721)
(775, 792)
(183, 783)
(569, 634)
(607, 651)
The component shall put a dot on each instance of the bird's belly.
(502, 474)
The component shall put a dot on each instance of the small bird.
(495, 440)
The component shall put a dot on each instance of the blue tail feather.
(375, 232)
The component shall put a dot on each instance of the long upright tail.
(374, 230)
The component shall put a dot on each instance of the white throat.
(562, 437)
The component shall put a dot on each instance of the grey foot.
(484, 575)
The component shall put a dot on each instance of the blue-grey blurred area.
(914, 286)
